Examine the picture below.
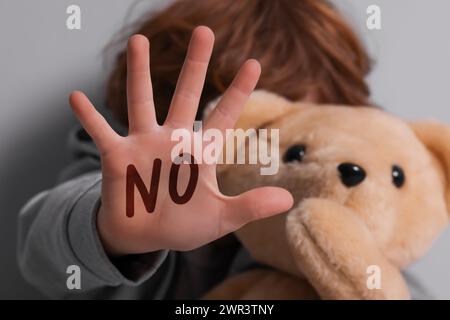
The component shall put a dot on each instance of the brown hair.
(305, 47)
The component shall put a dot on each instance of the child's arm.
(60, 229)
(57, 228)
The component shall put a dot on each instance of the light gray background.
(41, 62)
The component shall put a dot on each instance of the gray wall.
(41, 62)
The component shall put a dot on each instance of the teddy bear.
(371, 192)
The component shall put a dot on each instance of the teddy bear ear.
(436, 137)
(261, 108)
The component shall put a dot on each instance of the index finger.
(230, 106)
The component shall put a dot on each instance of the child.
(306, 51)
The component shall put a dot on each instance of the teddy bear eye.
(295, 153)
(398, 176)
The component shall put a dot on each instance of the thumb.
(258, 204)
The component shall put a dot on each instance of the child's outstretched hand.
(208, 215)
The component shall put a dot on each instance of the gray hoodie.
(57, 229)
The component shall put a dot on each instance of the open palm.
(208, 214)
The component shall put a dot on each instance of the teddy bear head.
(392, 175)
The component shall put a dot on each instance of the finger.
(230, 106)
(93, 122)
(141, 111)
(192, 77)
(257, 204)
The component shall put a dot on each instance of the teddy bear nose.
(351, 174)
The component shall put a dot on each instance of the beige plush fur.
(323, 246)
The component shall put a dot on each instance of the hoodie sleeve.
(59, 242)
